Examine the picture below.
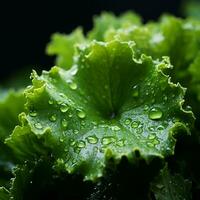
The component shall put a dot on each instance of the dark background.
(25, 28)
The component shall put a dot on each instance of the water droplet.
(74, 70)
(64, 123)
(50, 101)
(115, 128)
(160, 128)
(139, 130)
(155, 142)
(81, 114)
(120, 143)
(33, 113)
(151, 128)
(73, 86)
(92, 139)
(151, 137)
(52, 118)
(150, 144)
(108, 140)
(83, 123)
(135, 124)
(135, 92)
(38, 125)
(81, 144)
(146, 107)
(64, 108)
(188, 108)
(61, 95)
(72, 142)
(127, 121)
(155, 113)
(70, 115)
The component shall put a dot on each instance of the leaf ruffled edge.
(46, 137)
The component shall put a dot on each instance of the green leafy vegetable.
(124, 115)
(11, 104)
(171, 187)
(4, 194)
(64, 47)
(110, 120)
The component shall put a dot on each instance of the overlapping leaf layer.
(112, 96)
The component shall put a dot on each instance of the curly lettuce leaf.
(63, 47)
(177, 38)
(107, 21)
(108, 105)
(169, 186)
(11, 104)
(4, 193)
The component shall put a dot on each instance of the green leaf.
(11, 104)
(4, 194)
(63, 47)
(177, 38)
(191, 9)
(169, 186)
(107, 21)
(37, 180)
(108, 105)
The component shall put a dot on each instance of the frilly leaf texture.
(63, 47)
(109, 104)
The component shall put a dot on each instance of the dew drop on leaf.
(81, 144)
(72, 142)
(150, 144)
(116, 128)
(151, 128)
(135, 124)
(139, 130)
(146, 107)
(160, 128)
(151, 137)
(73, 86)
(155, 113)
(127, 121)
(38, 125)
(50, 101)
(107, 140)
(135, 92)
(70, 115)
(92, 139)
(120, 143)
(64, 123)
(64, 108)
(81, 114)
(33, 113)
(52, 118)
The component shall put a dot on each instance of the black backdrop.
(25, 28)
